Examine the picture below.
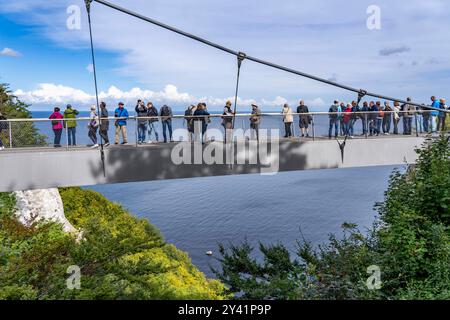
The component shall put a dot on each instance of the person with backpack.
(93, 126)
(153, 122)
(255, 121)
(304, 118)
(227, 121)
(3, 126)
(188, 117)
(334, 119)
(104, 123)
(57, 126)
(71, 125)
(288, 119)
(166, 119)
(121, 123)
(387, 118)
(141, 112)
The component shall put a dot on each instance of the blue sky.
(47, 64)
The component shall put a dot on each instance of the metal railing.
(38, 132)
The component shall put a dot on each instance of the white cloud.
(8, 52)
(49, 94)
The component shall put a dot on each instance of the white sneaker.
(2, 148)
(94, 146)
(106, 145)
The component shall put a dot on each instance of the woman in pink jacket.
(57, 126)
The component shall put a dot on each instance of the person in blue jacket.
(121, 123)
(434, 114)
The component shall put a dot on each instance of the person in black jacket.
(152, 113)
(104, 123)
(305, 118)
(141, 112)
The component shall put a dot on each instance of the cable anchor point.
(88, 5)
(241, 57)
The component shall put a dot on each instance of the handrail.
(216, 115)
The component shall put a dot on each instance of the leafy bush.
(120, 257)
(409, 242)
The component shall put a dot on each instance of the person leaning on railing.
(396, 116)
(387, 118)
(153, 122)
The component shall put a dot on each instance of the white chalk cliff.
(44, 204)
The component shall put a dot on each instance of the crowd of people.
(376, 118)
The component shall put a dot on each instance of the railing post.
(10, 134)
(67, 133)
(136, 123)
(313, 128)
(366, 125)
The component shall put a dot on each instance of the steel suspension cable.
(102, 151)
(257, 60)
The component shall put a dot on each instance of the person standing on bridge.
(201, 117)
(188, 113)
(396, 116)
(227, 121)
(57, 126)
(288, 119)
(121, 123)
(434, 114)
(408, 113)
(71, 125)
(347, 118)
(304, 118)
(341, 118)
(372, 118)
(380, 117)
(93, 126)
(141, 112)
(442, 116)
(334, 119)
(166, 119)
(255, 121)
(104, 123)
(365, 117)
(387, 118)
(152, 113)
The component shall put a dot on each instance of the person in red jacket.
(57, 126)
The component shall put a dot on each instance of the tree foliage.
(121, 257)
(409, 242)
(23, 133)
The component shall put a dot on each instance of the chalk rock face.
(44, 204)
